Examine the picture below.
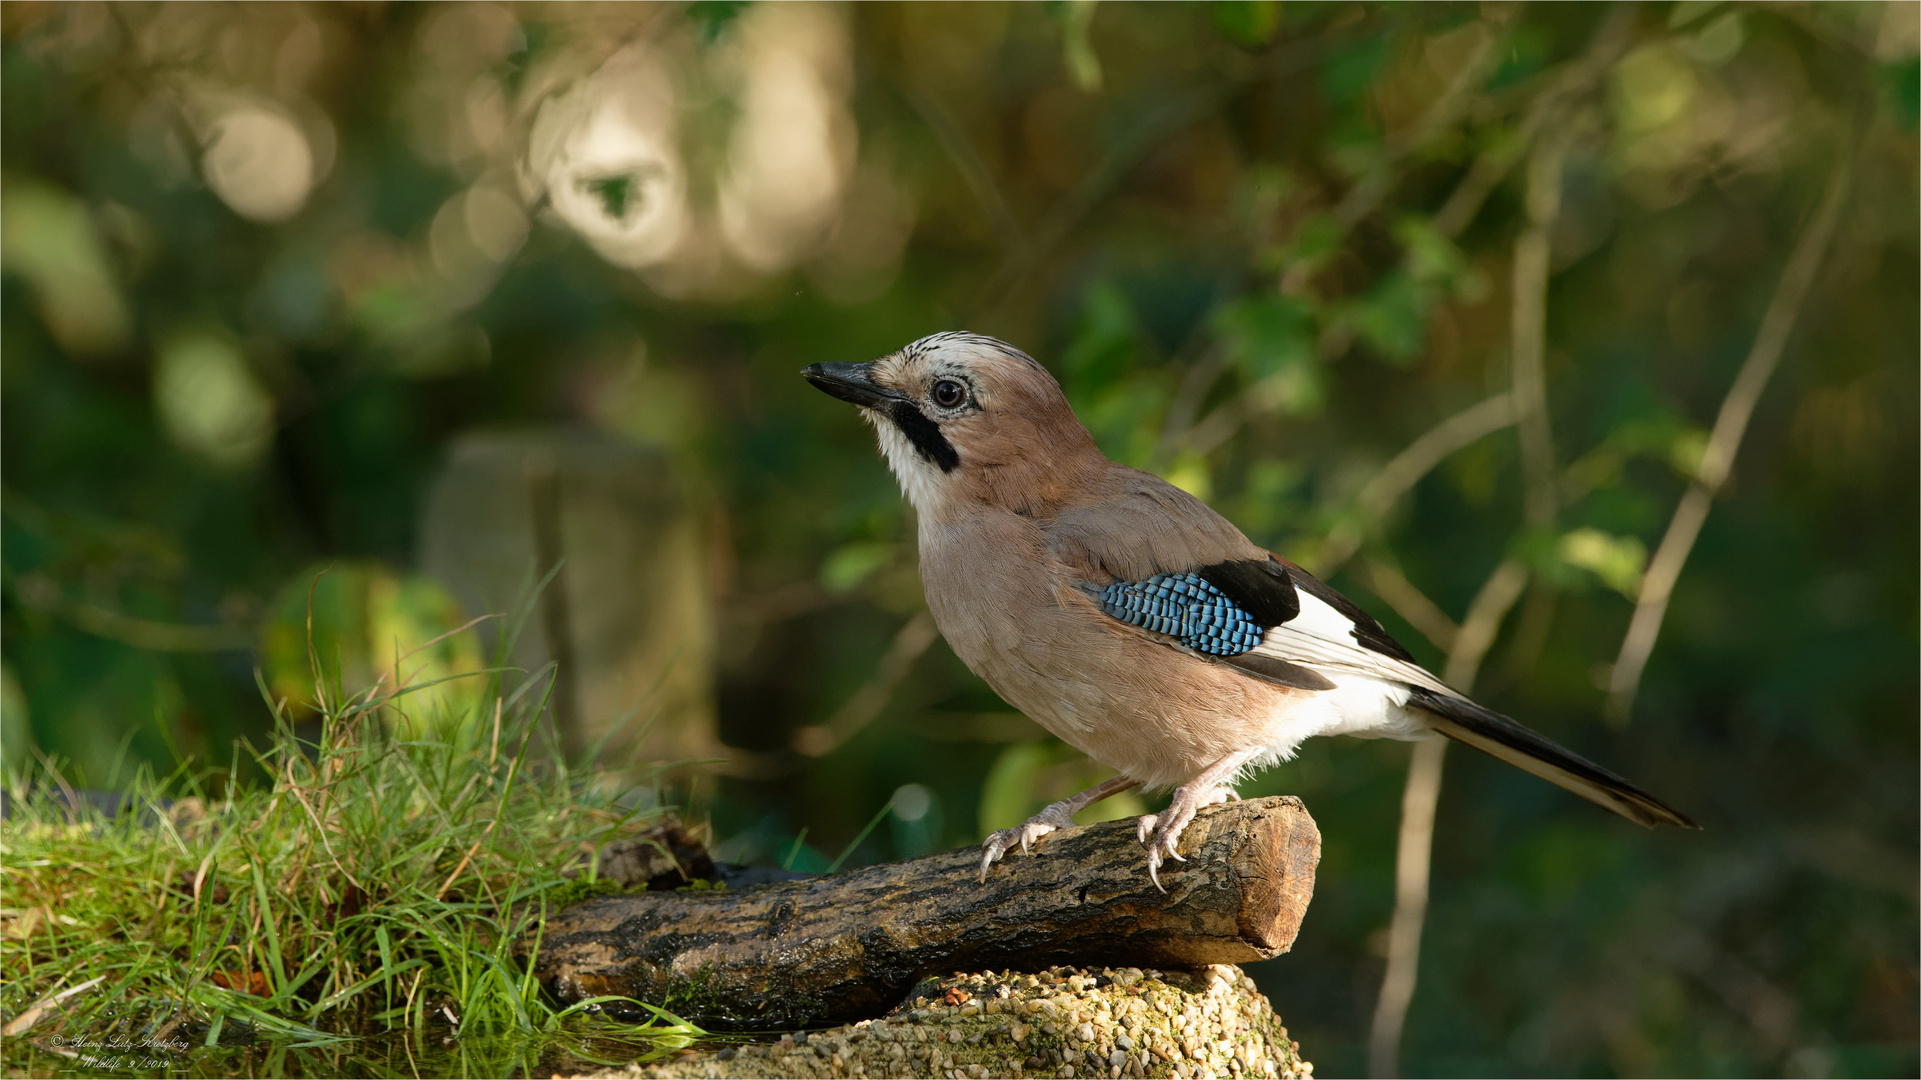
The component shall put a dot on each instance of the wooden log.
(848, 946)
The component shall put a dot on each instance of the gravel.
(1066, 1022)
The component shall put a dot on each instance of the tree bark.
(849, 946)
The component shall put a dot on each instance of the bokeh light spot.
(259, 162)
(209, 402)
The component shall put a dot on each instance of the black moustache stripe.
(925, 435)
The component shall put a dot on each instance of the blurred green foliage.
(262, 263)
(357, 625)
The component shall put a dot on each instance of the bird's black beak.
(849, 382)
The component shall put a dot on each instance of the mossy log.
(844, 947)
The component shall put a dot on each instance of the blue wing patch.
(1185, 607)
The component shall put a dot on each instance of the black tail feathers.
(1489, 731)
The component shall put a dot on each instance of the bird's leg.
(1058, 815)
(1161, 833)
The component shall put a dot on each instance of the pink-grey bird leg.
(1058, 815)
(1161, 833)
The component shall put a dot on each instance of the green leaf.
(1103, 345)
(1431, 256)
(1077, 47)
(1266, 335)
(1392, 317)
(1191, 474)
(1269, 499)
(365, 619)
(1125, 417)
(715, 16)
(1350, 70)
(1524, 52)
(1006, 797)
(1903, 81)
(1617, 560)
(1317, 238)
(1249, 23)
(1688, 11)
(48, 237)
(849, 565)
(1271, 340)
(1687, 450)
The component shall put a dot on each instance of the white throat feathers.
(920, 479)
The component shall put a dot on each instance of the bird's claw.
(1024, 834)
(1161, 833)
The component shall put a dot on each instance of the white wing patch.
(1323, 638)
(1371, 689)
(1319, 618)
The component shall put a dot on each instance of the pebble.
(1062, 1022)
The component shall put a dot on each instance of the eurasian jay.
(1132, 621)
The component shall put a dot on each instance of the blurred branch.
(542, 474)
(1178, 112)
(158, 636)
(1457, 432)
(1664, 569)
(1419, 800)
(1528, 356)
(1099, 182)
(1360, 202)
(790, 601)
(1220, 425)
(1399, 476)
(974, 171)
(40, 593)
(1198, 378)
(1365, 197)
(1412, 856)
(987, 727)
(1575, 79)
(1847, 36)
(1769, 1010)
(1410, 603)
(817, 740)
(1498, 594)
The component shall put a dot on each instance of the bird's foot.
(1057, 816)
(1161, 833)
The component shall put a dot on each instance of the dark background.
(262, 265)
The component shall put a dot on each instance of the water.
(585, 1047)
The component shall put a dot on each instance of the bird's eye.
(949, 394)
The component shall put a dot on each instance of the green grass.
(379, 885)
